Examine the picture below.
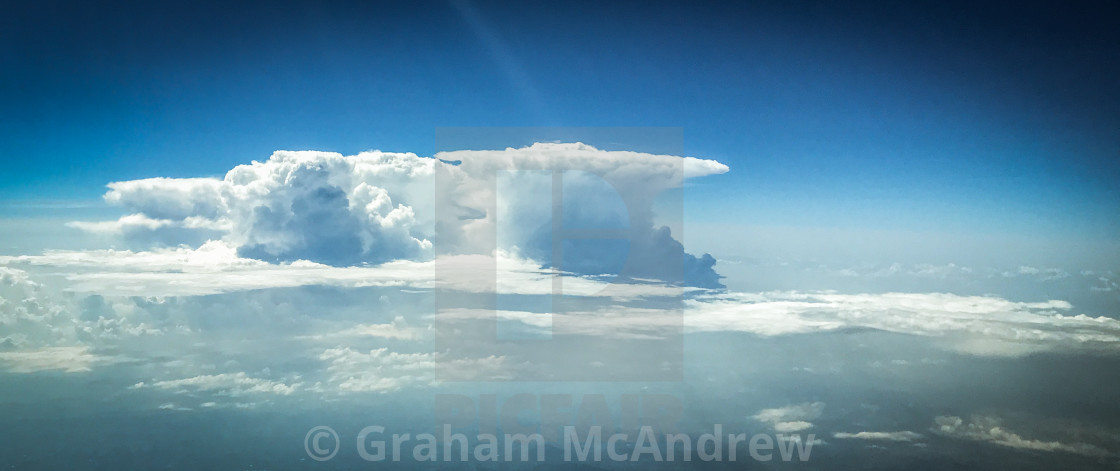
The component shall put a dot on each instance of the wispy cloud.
(990, 430)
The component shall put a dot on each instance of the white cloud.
(44, 331)
(159, 284)
(317, 206)
(796, 439)
(665, 170)
(902, 436)
(989, 429)
(792, 418)
(332, 209)
(980, 325)
(73, 359)
(1106, 284)
(29, 317)
(398, 329)
(792, 426)
(1047, 274)
(611, 320)
(215, 268)
(977, 325)
(170, 198)
(231, 384)
(210, 257)
(139, 222)
(609, 188)
(939, 271)
(381, 370)
(377, 370)
(139, 229)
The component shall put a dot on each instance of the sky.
(1000, 117)
(886, 231)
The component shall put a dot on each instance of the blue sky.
(946, 118)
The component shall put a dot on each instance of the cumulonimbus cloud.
(376, 207)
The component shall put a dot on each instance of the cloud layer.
(990, 430)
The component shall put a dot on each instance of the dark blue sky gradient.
(943, 115)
